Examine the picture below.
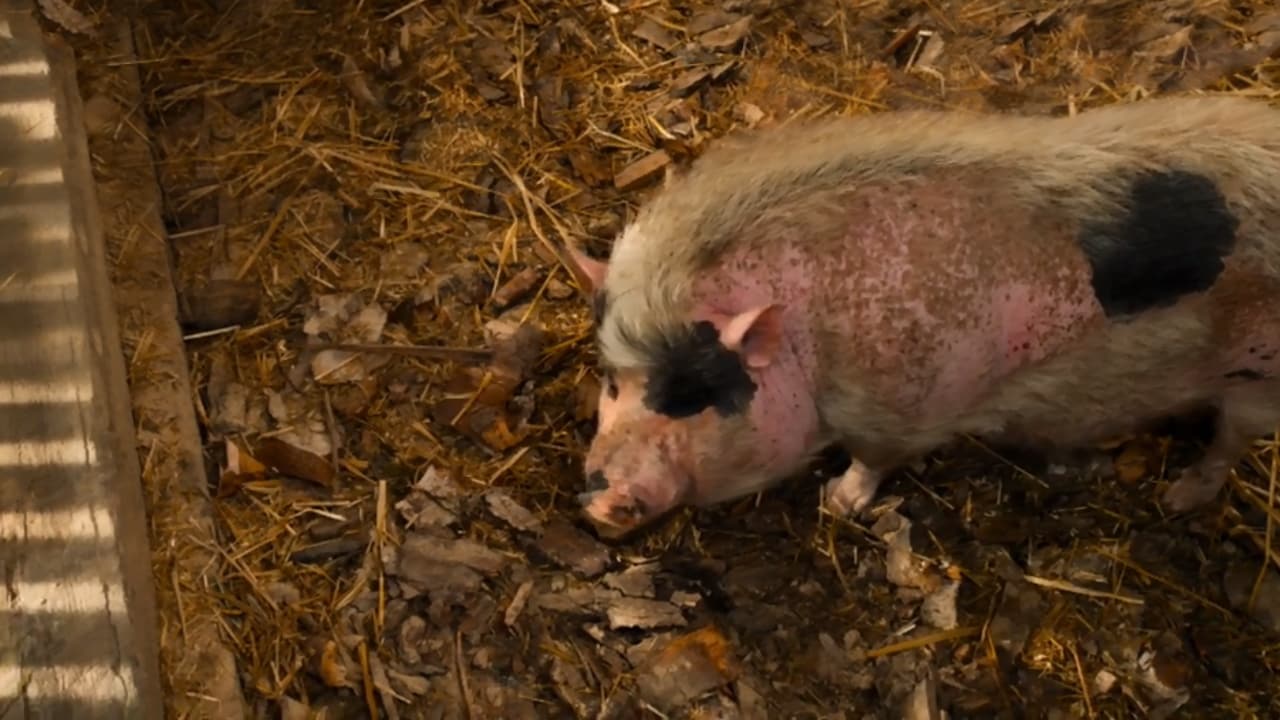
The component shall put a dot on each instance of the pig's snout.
(616, 506)
(620, 505)
(616, 511)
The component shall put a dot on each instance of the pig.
(889, 282)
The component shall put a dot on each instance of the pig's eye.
(611, 385)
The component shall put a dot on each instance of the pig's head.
(682, 423)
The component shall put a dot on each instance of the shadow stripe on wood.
(33, 156)
(51, 640)
(35, 422)
(20, 370)
(41, 222)
(85, 556)
(53, 709)
(45, 192)
(38, 321)
(88, 522)
(17, 83)
(11, 52)
(59, 341)
(47, 488)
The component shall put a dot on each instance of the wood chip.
(644, 614)
(653, 33)
(518, 603)
(815, 40)
(687, 667)
(922, 703)
(517, 288)
(686, 82)
(724, 38)
(901, 39)
(219, 304)
(710, 20)
(574, 549)
(748, 113)
(330, 667)
(291, 709)
(293, 461)
(70, 19)
(505, 508)
(635, 581)
(1263, 23)
(647, 169)
(1169, 47)
(586, 398)
(461, 551)
(1014, 28)
(358, 84)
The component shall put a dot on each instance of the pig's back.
(1085, 164)
(1015, 235)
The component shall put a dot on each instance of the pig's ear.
(590, 272)
(756, 334)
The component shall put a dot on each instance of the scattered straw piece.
(1084, 683)
(1268, 546)
(1065, 586)
(923, 641)
(369, 698)
(1186, 592)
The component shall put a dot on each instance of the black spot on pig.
(694, 371)
(1244, 375)
(1170, 243)
(596, 481)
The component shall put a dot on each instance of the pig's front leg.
(851, 493)
(1244, 416)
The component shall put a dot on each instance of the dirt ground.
(396, 534)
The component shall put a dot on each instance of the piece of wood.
(201, 679)
(77, 614)
(642, 171)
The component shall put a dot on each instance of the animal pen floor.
(394, 535)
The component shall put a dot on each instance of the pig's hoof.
(852, 492)
(1192, 489)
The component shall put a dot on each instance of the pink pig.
(889, 282)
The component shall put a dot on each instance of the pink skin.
(764, 307)
(939, 323)
(945, 302)
(921, 314)
(654, 463)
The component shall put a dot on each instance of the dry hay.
(423, 158)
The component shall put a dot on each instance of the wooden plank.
(24, 85)
(35, 155)
(202, 680)
(40, 491)
(118, 471)
(77, 622)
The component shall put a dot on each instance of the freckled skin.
(953, 298)
(943, 295)
(923, 292)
